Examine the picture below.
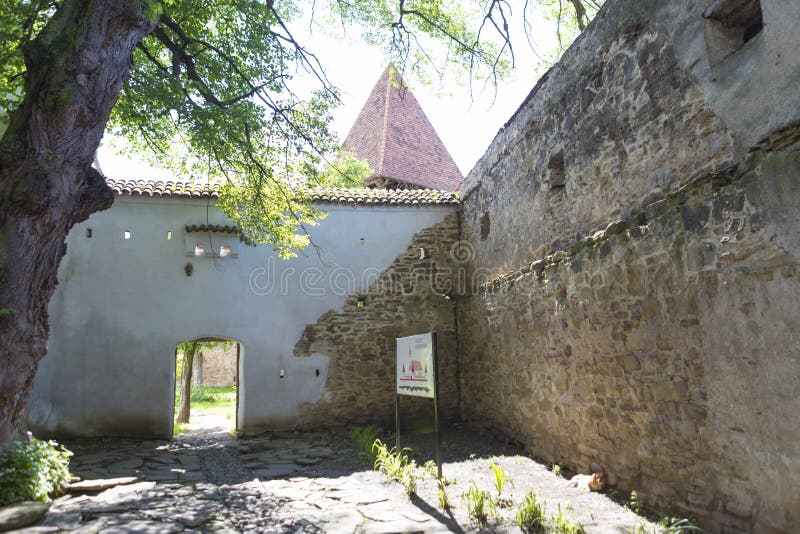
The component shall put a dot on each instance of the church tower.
(395, 136)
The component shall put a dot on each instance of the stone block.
(696, 413)
(629, 363)
(670, 391)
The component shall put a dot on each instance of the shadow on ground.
(306, 482)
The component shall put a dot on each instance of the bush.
(32, 470)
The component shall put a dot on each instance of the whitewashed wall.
(122, 306)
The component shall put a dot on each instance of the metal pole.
(436, 404)
(397, 421)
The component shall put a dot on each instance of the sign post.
(418, 376)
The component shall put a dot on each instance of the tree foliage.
(211, 92)
(348, 170)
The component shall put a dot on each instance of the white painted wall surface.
(122, 306)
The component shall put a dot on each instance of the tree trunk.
(75, 69)
(184, 407)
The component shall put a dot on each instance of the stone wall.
(633, 110)
(410, 297)
(641, 316)
(663, 350)
(216, 367)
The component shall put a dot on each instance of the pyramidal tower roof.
(395, 136)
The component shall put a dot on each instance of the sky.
(466, 123)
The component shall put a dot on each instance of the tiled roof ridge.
(387, 96)
(326, 195)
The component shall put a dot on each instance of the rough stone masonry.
(635, 236)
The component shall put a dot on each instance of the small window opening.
(362, 241)
(731, 24)
(126, 234)
(169, 235)
(423, 253)
(89, 233)
(199, 249)
(361, 302)
(224, 250)
(282, 373)
(317, 372)
(556, 174)
(484, 222)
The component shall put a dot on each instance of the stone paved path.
(291, 482)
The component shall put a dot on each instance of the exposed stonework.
(589, 148)
(653, 350)
(664, 349)
(410, 297)
(216, 366)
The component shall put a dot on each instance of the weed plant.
(479, 503)
(500, 478)
(396, 465)
(530, 515)
(363, 439)
(561, 524)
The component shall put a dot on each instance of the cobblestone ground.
(302, 482)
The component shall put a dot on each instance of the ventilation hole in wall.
(731, 24)
(188, 268)
(169, 235)
(225, 250)
(199, 249)
(89, 233)
(555, 171)
(282, 373)
(484, 225)
(317, 372)
(126, 234)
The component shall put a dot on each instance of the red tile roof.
(319, 195)
(395, 136)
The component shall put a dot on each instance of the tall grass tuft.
(530, 515)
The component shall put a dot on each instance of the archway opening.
(207, 387)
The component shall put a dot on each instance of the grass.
(444, 500)
(530, 514)
(214, 400)
(500, 478)
(363, 439)
(393, 463)
(668, 524)
(479, 503)
(396, 465)
(562, 524)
